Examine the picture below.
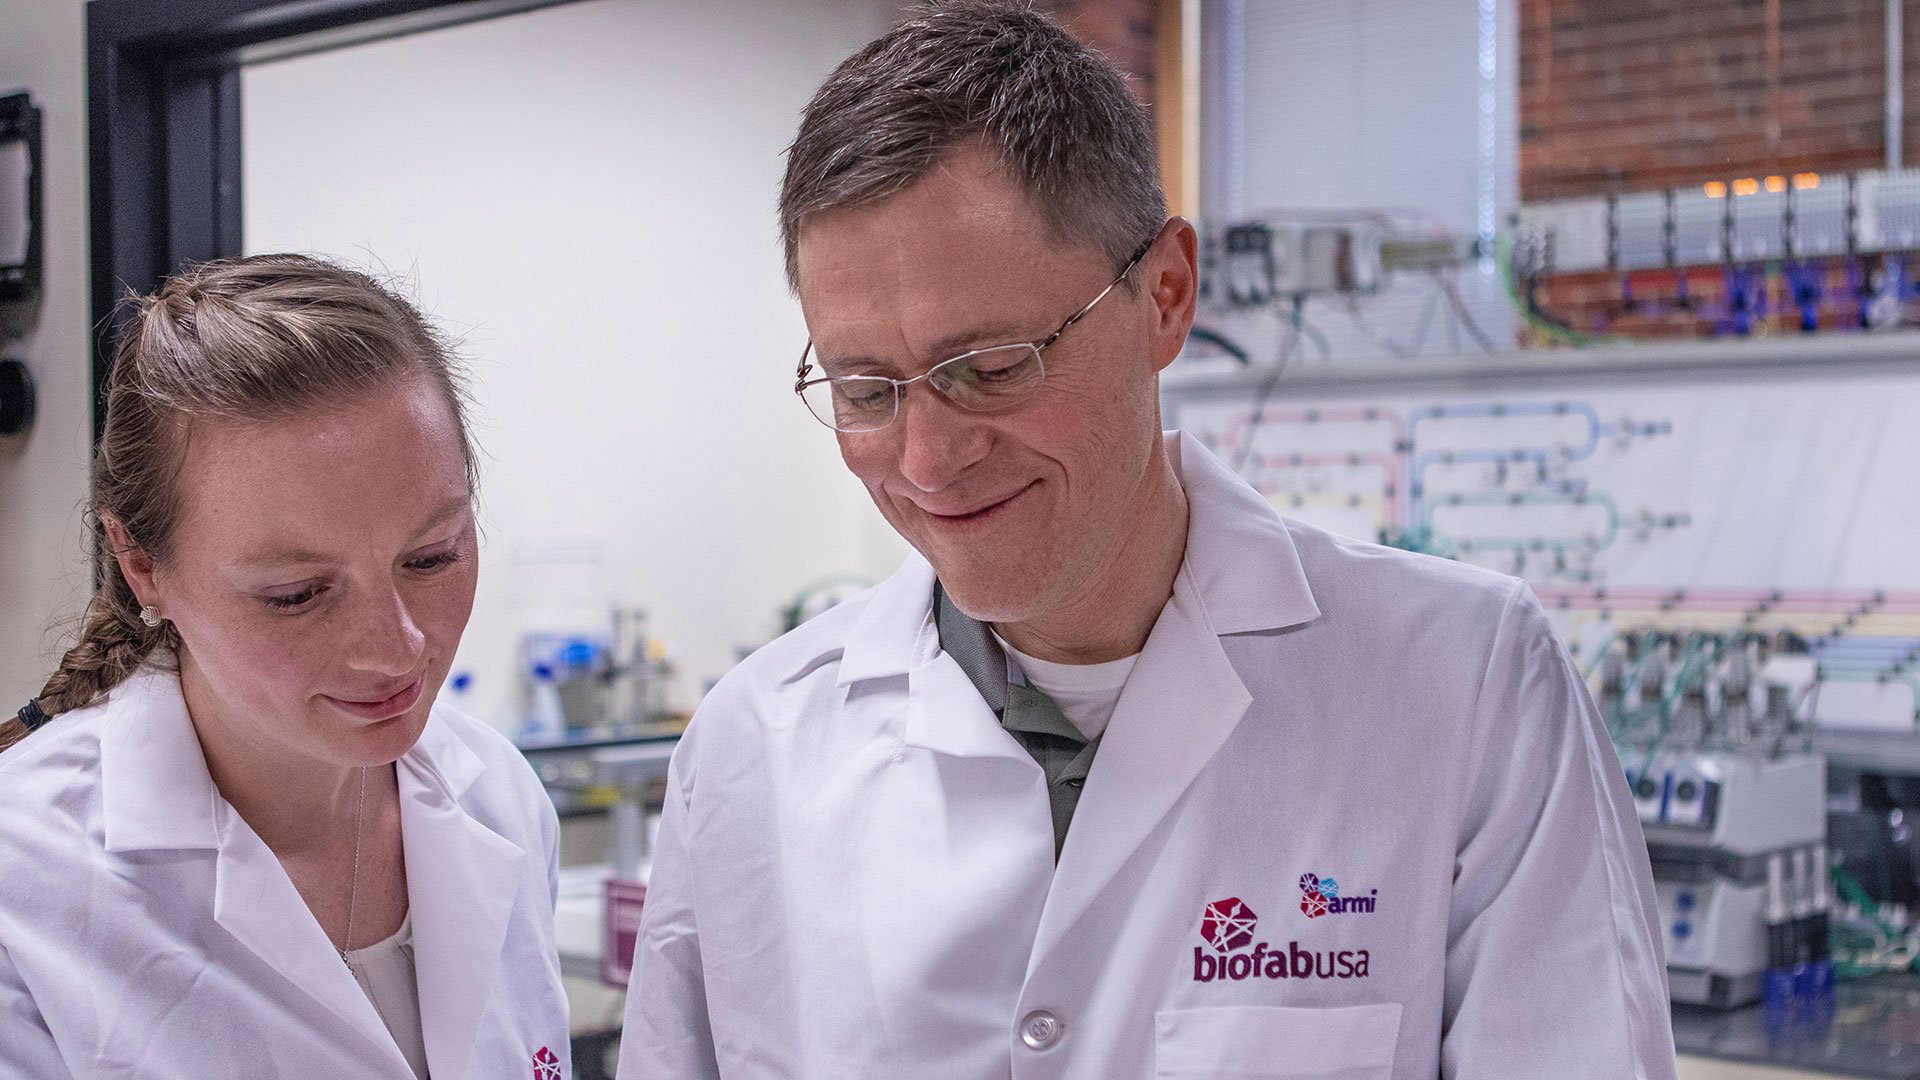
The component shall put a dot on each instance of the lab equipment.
(22, 211)
(1732, 816)
(1781, 948)
(17, 399)
(592, 682)
(1726, 821)
(547, 719)
(1795, 252)
(638, 772)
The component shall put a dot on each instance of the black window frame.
(164, 123)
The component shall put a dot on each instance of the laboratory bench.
(1875, 1035)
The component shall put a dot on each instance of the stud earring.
(150, 616)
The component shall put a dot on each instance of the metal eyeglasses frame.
(801, 382)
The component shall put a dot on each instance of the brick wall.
(1625, 95)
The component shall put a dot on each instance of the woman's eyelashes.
(307, 594)
(439, 560)
(294, 600)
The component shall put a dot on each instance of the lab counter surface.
(1876, 1032)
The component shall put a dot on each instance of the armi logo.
(1321, 896)
(1228, 925)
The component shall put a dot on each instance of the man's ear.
(1170, 276)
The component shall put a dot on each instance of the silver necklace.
(353, 888)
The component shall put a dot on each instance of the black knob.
(16, 397)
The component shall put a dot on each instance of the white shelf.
(1817, 355)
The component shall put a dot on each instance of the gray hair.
(1059, 115)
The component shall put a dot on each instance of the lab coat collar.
(442, 757)
(461, 885)
(1184, 698)
(1241, 573)
(895, 633)
(1226, 521)
(155, 791)
(1240, 554)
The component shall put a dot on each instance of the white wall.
(586, 194)
(43, 474)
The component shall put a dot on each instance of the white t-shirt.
(386, 974)
(1086, 693)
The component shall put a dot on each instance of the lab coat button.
(1040, 1030)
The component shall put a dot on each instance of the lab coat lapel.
(1181, 702)
(256, 902)
(1240, 574)
(896, 636)
(946, 714)
(156, 794)
(894, 633)
(461, 883)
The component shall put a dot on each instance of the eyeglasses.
(990, 380)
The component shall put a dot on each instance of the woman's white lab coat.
(146, 931)
(1355, 816)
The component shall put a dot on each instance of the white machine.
(1712, 818)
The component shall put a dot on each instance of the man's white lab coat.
(1355, 816)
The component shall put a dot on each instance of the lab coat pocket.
(1272, 1043)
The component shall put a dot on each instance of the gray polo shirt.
(1064, 754)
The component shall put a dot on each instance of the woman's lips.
(383, 709)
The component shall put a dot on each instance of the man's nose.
(938, 439)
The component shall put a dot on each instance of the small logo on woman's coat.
(545, 1065)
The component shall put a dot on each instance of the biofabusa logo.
(1228, 926)
(1320, 896)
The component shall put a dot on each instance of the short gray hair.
(1059, 116)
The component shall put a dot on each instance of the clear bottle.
(1688, 730)
(1613, 687)
(1736, 701)
(546, 719)
(1651, 726)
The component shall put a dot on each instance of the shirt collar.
(1240, 554)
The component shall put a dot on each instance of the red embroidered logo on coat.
(545, 1065)
(1227, 924)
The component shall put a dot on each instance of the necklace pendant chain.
(353, 887)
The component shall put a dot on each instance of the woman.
(240, 838)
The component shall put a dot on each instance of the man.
(1125, 776)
